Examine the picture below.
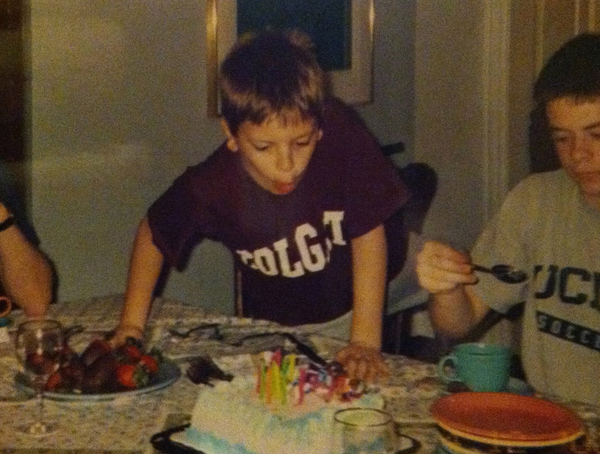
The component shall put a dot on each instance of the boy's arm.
(144, 269)
(447, 274)
(369, 264)
(26, 273)
(455, 313)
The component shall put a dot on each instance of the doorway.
(13, 141)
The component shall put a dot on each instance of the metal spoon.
(504, 273)
(185, 333)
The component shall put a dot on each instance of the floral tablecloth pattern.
(125, 425)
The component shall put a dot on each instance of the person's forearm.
(144, 270)
(369, 271)
(452, 313)
(26, 274)
(366, 324)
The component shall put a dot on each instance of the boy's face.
(275, 153)
(575, 127)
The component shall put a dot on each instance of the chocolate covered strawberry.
(96, 349)
(130, 352)
(99, 377)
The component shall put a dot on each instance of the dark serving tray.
(162, 442)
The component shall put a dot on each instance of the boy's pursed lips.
(284, 188)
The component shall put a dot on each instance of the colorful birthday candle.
(276, 382)
(268, 387)
(301, 384)
(291, 369)
(277, 357)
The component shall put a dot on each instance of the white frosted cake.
(276, 410)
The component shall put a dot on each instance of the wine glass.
(364, 431)
(38, 344)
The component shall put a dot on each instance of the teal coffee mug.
(479, 366)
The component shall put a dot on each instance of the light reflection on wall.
(117, 104)
(86, 174)
(83, 62)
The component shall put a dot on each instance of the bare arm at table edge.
(144, 269)
(27, 275)
(447, 275)
(362, 357)
(457, 312)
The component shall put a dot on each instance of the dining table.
(126, 422)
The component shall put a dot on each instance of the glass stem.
(39, 426)
(40, 402)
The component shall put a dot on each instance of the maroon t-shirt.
(293, 250)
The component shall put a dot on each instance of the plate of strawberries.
(101, 372)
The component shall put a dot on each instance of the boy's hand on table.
(121, 333)
(364, 363)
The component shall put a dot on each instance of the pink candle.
(301, 383)
(277, 357)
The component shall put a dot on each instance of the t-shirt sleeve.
(504, 241)
(374, 189)
(10, 198)
(181, 217)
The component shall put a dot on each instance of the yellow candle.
(268, 388)
(291, 371)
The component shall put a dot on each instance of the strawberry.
(55, 381)
(132, 376)
(149, 363)
(130, 352)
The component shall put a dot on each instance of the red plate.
(504, 418)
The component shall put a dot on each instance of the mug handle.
(447, 378)
(5, 305)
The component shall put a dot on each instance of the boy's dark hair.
(574, 70)
(271, 73)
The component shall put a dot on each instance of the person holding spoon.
(548, 226)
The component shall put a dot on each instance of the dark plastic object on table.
(162, 442)
(302, 347)
(204, 369)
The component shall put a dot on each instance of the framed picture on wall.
(342, 31)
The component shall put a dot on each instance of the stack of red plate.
(474, 422)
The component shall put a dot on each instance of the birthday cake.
(286, 405)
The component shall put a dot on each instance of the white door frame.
(496, 74)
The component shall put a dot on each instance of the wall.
(476, 62)
(449, 73)
(117, 99)
(391, 115)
